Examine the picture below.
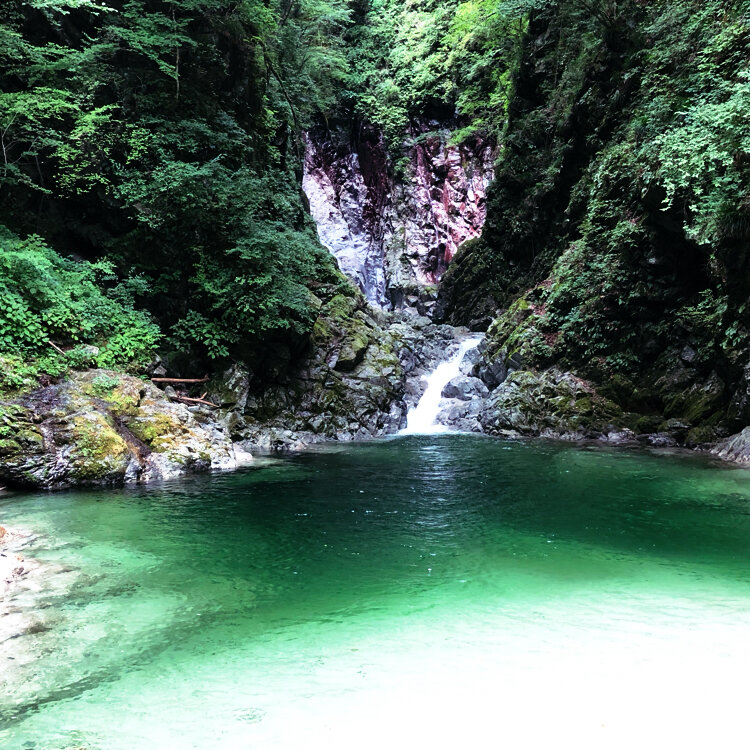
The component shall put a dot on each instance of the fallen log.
(204, 379)
(188, 400)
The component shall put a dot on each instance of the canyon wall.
(395, 234)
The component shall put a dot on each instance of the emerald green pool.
(441, 591)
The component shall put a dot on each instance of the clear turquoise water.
(443, 591)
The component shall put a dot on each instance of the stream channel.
(434, 591)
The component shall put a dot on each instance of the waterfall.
(422, 419)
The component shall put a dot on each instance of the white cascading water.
(422, 419)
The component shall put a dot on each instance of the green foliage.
(103, 385)
(408, 60)
(19, 372)
(46, 298)
(624, 187)
(167, 133)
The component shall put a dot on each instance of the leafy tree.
(164, 134)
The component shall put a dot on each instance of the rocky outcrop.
(347, 190)
(361, 377)
(100, 427)
(735, 448)
(551, 404)
(395, 236)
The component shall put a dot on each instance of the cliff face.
(395, 236)
(615, 244)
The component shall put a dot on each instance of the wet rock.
(551, 403)
(738, 411)
(659, 440)
(735, 448)
(353, 348)
(688, 354)
(232, 388)
(470, 361)
(462, 416)
(690, 401)
(620, 437)
(465, 388)
(492, 373)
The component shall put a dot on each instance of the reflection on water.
(435, 590)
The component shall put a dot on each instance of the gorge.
(374, 373)
(523, 174)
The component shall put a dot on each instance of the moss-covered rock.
(354, 346)
(353, 385)
(93, 447)
(101, 427)
(551, 403)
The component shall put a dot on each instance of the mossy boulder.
(101, 427)
(351, 386)
(697, 403)
(550, 403)
(354, 346)
(95, 450)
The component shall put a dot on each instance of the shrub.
(45, 298)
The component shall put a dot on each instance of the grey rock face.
(462, 416)
(735, 448)
(465, 388)
(551, 403)
(232, 388)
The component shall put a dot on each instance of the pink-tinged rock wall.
(442, 202)
(396, 236)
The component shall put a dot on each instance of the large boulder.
(100, 427)
(551, 403)
(465, 388)
(735, 448)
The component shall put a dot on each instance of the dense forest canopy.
(151, 165)
(164, 136)
(164, 139)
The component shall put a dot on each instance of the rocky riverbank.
(365, 372)
(99, 427)
(495, 396)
